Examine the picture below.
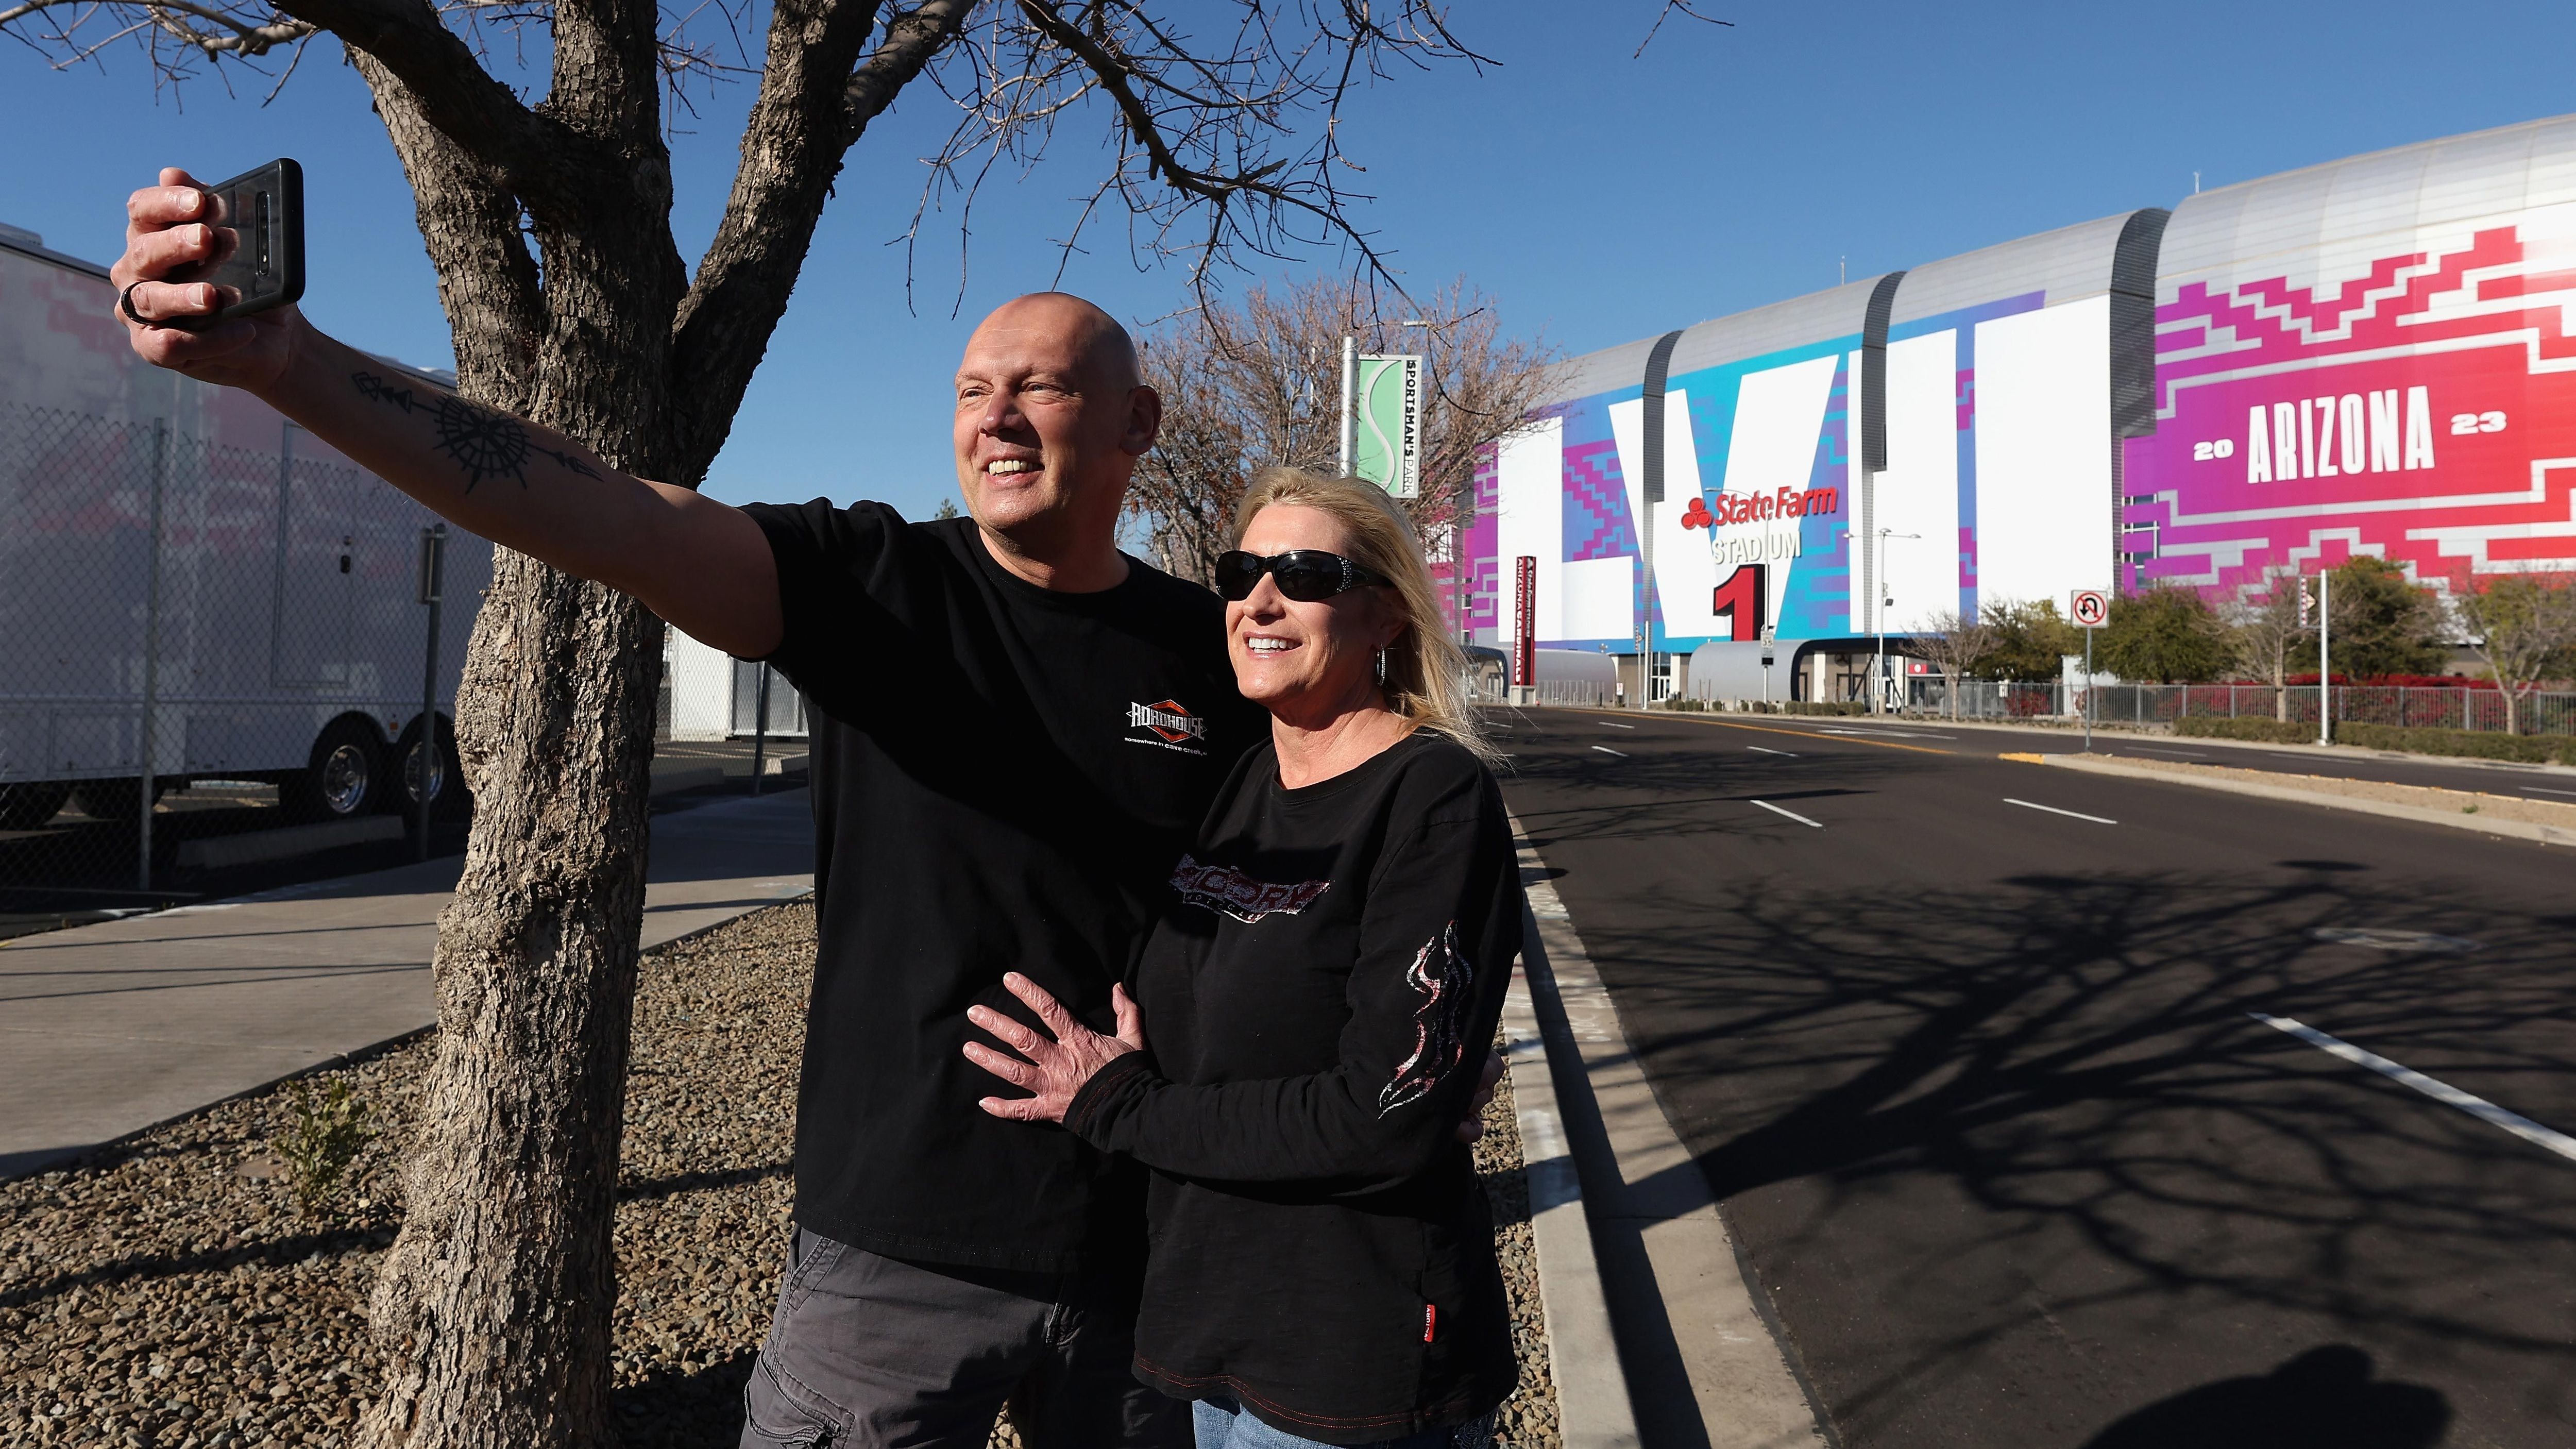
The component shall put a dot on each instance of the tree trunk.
(493, 1308)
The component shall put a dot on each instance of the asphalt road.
(1979, 1087)
(2494, 776)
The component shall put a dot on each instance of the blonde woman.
(1318, 994)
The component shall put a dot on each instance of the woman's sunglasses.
(1308, 575)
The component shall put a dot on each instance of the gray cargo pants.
(868, 1351)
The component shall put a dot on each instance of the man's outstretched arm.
(700, 564)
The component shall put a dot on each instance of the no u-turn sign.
(2089, 608)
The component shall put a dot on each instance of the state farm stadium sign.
(1736, 522)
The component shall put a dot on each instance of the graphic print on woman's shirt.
(1439, 1023)
(1223, 888)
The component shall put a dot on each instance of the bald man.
(1016, 728)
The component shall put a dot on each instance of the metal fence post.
(759, 726)
(433, 571)
(149, 725)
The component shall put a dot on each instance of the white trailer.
(192, 587)
(710, 695)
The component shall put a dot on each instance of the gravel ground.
(169, 1292)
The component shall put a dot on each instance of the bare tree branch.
(1258, 382)
(1955, 641)
(1671, 9)
(1202, 128)
(816, 99)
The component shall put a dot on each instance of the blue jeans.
(1223, 1424)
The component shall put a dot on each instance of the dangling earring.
(1381, 666)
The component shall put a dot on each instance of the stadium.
(2360, 357)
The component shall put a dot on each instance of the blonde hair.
(1425, 669)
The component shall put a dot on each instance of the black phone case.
(265, 210)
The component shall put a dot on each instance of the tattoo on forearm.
(484, 444)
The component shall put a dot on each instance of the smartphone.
(263, 266)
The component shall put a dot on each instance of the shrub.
(328, 1131)
(2471, 744)
(2219, 727)
(2466, 744)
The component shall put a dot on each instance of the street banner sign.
(1386, 442)
(1525, 620)
(2090, 608)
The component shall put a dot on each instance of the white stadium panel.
(1529, 519)
(1918, 492)
(2043, 466)
(1777, 414)
(1685, 574)
(1600, 599)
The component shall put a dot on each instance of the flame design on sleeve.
(1441, 976)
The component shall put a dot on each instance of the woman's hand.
(1055, 1069)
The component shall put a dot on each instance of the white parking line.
(2479, 1107)
(2053, 810)
(1612, 725)
(2542, 790)
(1786, 754)
(1792, 814)
(1605, 749)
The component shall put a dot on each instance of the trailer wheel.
(343, 777)
(447, 776)
(24, 807)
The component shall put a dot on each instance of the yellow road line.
(1801, 734)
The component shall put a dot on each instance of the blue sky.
(1599, 197)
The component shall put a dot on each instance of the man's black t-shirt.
(1002, 777)
(1318, 999)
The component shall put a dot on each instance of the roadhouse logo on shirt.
(1223, 888)
(1168, 724)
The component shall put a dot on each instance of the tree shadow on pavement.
(2022, 1130)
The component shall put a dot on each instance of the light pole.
(1878, 618)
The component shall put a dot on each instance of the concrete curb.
(2482, 824)
(1582, 1354)
(1697, 1357)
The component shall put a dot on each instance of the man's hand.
(1472, 1130)
(1056, 1069)
(168, 236)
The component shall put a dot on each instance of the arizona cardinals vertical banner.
(1525, 620)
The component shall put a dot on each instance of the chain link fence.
(204, 646)
(2409, 706)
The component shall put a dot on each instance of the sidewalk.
(1695, 1353)
(113, 1027)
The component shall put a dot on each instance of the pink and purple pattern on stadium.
(2423, 411)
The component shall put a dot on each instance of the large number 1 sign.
(1741, 598)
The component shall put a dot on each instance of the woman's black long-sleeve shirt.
(1319, 996)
